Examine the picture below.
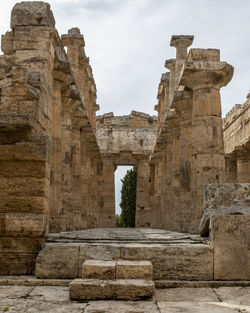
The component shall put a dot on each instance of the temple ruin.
(58, 158)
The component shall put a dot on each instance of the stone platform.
(128, 235)
(175, 256)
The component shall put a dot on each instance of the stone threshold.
(29, 280)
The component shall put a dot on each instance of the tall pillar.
(181, 43)
(183, 104)
(243, 166)
(205, 75)
(107, 216)
(143, 208)
(170, 64)
(55, 197)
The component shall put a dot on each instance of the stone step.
(170, 262)
(120, 269)
(123, 289)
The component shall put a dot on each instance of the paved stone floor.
(126, 234)
(174, 300)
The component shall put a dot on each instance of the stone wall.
(236, 131)
(48, 148)
(126, 140)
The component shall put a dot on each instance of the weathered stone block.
(133, 289)
(126, 269)
(35, 13)
(91, 289)
(224, 199)
(182, 261)
(24, 225)
(230, 236)
(13, 204)
(99, 269)
(87, 289)
(104, 252)
(58, 261)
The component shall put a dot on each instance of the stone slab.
(186, 295)
(194, 307)
(234, 295)
(87, 289)
(121, 307)
(99, 269)
(126, 269)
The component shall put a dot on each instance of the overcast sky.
(128, 42)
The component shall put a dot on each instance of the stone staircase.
(121, 279)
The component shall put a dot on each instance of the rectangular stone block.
(134, 269)
(24, 225)
(133, 289)
(23, 186)
(91, 289)
(175, 261)
(230, 236)
(99, 269)
(87, 289)
(58, 261)
(23, 169)
(12, 204)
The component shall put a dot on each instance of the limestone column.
(205, 75)
(170, 64)
(143, 209)
(183, 104)
(107, 216)
(181, 43)
(243, 166)
(55, 198)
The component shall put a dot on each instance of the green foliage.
(118, 219)
(128, 199)
(5, 309)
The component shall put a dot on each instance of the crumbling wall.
(44, 128)
(126, 140)
(236, 132)
(189, 152)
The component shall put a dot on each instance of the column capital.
(204, 70)
(181, 41)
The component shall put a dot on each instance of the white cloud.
(128, 42)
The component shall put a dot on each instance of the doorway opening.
(125, 219)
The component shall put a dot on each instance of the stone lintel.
(170, 64)
(34, 13)
(181, 41)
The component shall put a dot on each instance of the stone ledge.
(130, 289)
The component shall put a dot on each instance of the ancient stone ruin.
(57, 164)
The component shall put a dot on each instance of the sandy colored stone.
(99, 269)
(194, 307)
(58, 261)
(91, 289)
(121, 307)
(186, 295)
(234, 295)
(126, 269)
(230, 240)
(130, 289)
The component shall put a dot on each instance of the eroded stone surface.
(99, 269)
(130, 289)
(134, 269)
